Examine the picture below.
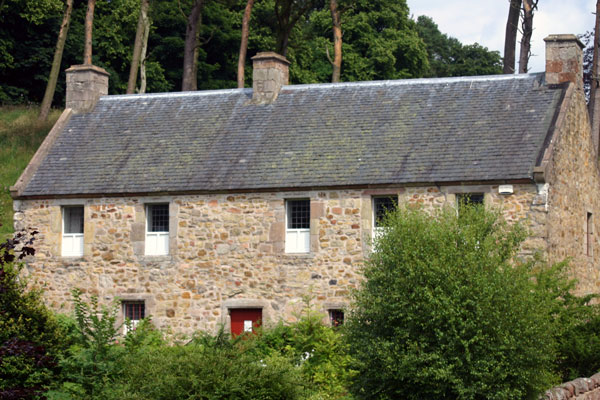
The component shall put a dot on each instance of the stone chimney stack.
(564, 59)
(85, 84)
(270, 72)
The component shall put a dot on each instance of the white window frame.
(378, 230)
(296, 240)
(157, 242)
(72, 243)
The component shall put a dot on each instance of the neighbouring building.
(228, 206)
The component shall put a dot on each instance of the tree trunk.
(190, 51)
(143, 54)
(510, 39)
(527, 27)
(54, 71)
(137, 46)
(337, 41)
(594, 106)
(89, 24)
(244, 43)
(288, 12)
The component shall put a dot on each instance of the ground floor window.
(133, 313)
(336, 317)
(244, 320)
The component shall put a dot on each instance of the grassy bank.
(20, 136)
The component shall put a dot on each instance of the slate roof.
(366, 133)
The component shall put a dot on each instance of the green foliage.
(448, 57)
(380, 42)
(204, 369)
(319, 350)
(20, 136)
(30, 338)
(93, 360)
(446, 311)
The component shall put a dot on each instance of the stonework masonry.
(227, 250)
(85, 85)
(571, 168)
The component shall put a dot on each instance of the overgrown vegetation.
(304, 360)
(20, 136)
(448, 311)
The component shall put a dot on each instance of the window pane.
(336, 317)
(470, 198)
(298, 214)
(158, 218)
(381, 206)
(73, 219)
(134, 310)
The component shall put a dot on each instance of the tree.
(591, 78)
(336, 23)
(288, 13)
(89, 24)
(527, 27)
(510, 38)
(190, 51)
(139, 43)
(244, 43)
(146, 22)
(53, 77)
(447, 311)
(448, 57)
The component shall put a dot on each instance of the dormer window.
(72, 237)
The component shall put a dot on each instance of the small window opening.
(336, 317)
(133, 313)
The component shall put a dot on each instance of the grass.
(20, 136)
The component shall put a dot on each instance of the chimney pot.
(564, 59)
(85, 84)
(270, 71)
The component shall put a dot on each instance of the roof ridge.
(389, 82)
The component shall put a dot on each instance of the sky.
(484, 21)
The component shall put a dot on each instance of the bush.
(446, 311)
(31, 338)
(317, 349)
(208, 368)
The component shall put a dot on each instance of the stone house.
(228, 206)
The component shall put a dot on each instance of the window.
(297, 234)
(381, 206)
(469, 199)
(244, 320)
(336, 317)
(72, 237)
(133, 313)
(157, 229)
(589, 232)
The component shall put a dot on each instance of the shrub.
(446, 311)
(317, 349)
(207, 368)
(30, 336)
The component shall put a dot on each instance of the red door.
(244, 320)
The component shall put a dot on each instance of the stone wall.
(574, 191)
(578, 389)
(227, 250)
